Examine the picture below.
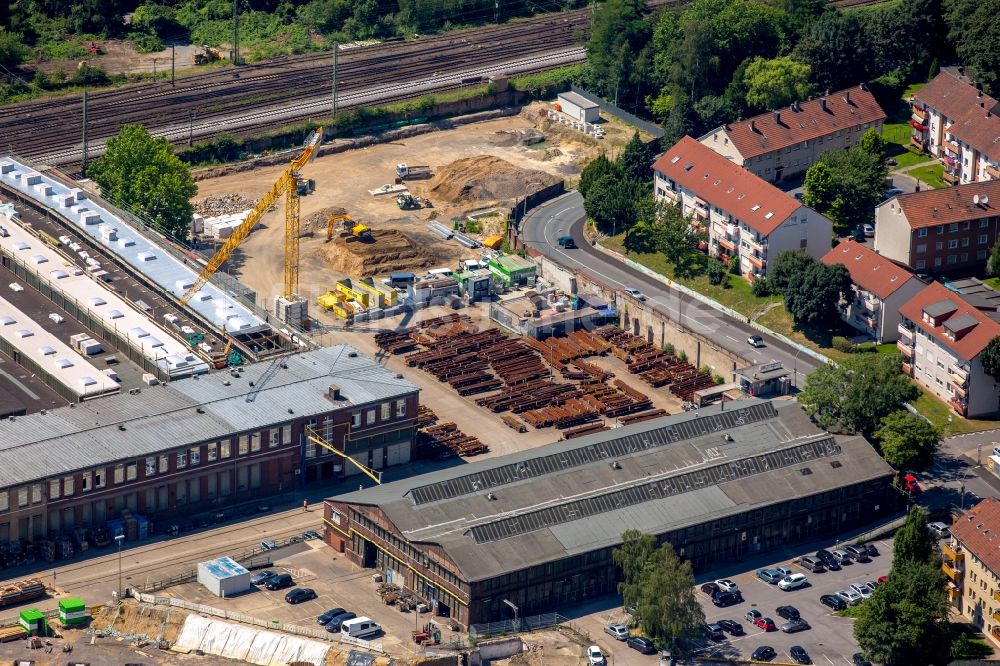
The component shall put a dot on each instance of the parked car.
(940, 530)
(594, 656)
(862, 589)
(850, 596)
(755, 341)
(311, 534)
(858, 553)
(299, 594)
(325, 618)
(833, 602)
(268, 544)
(727, 585)
(812, 564)
(635, 293)
(800, 655)
(619, 631)
(890, 193)
(784, 571)
(868, 229)
(752, 616)
(723, 599)
(262, 577)
(763, 653)
(881, 579)
(871, 549)
(795, 625)
(842, 557)
(828, 560)
(766, 623)
(642, 644)
(787, 612)
(279, 582)
(711, 589)
(713, 631)
(793, 582)
(858, 234)
(338, 621)
(360, 627)
(771, 576)
(732, 626)
(859, 660)
(566, 242)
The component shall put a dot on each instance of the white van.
(360, 627)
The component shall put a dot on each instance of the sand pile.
(486, 179)
(392, 251)
(314, 223)
(225, 204)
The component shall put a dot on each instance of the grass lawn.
(898, 136)
(930, 175)
(993, 282)
(887, 348)
(937, 412)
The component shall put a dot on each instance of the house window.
(401, 407)
(131, 471)
(966, 225)
(85, 484)
(4, 502)
(244, 445)
(984, 223)
(953, 243)
(939, 245)
(921, 264)
(982, 239)
(182, 459)
(53, 489)
(119, 473)
(953, 227)
(952, 259)
(982, 254)
(386, 411)
(937, 261)
(921, 248)
(164, 464)
(922, 233)
(224, 448)
(286, 434)
(100, 478)
(940, 229)
(213, 451)
(965, 242)
(370, 417)
(150, 466)
(22, 497)
(195, 455)
(255, 442)
(273, 438)
(67, 486)
(965, 257)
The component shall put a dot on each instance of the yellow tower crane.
(288, 185)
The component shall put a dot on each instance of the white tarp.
(255, 646)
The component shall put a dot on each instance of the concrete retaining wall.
(492, 650)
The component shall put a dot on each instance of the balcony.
(727, 244)
(959, 407)
(954, 594)
(958, 371)
(950, 178)
(757, 262)
(905, 334)
(904, 349)
(871, 303)
(952, 571)
(993, 172)
(870, 322)
(671, 196)
(951, 147)
(907, 369)
(996, 618)
(959, 392)
(919, 114)
(996, 596)
(758, 244)
(959, 379)
(953, 553)
(918, 142)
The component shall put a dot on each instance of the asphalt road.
(565, 216)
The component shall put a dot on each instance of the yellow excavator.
(352, 229)
(286, 185)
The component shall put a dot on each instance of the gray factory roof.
(577, 496)
(191, 410)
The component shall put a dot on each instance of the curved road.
(565, 216)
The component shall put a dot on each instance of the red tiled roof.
(869, 270)
(809, 122)
(978, 530)
(726, 185)
(929, 208)
(970, 344)
(976, 114)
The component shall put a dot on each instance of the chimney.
(753, 126)
(847, 97)
(777, 117)
(822, 103)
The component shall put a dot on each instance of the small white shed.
(579, 108)
(224, 577)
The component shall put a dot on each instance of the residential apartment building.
(941, 337)
(938, 231)
(743, 214)
(785, 143)
(971, 561)
(955, 121)
(880, 288)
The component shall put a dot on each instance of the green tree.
(597, 168)
(975, 33)
(610, 202)
(775, 83)
(12, 49)
(635, 161)
(835, 50)
(849, 185)
(142, 172)
(873, 143)
(813, 299)
(907, 441)
(679, 242)
(993, 265)
(913, 543)
(716, 272)
(990, 356)
(788, 268)
(615, 47)
(858, 393)
(633, 558)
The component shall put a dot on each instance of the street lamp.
(119, 538)
(508, 602)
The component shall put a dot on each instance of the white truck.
(406, 171)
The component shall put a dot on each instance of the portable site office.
(33, 621)
(73, 611)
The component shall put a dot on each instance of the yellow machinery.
(352, 229)
(207, 56)
(287, 185)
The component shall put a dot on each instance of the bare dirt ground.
(547, 648)
(121, 57)
(343, 180)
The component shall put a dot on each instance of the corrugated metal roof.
(526, 512)
(164, 417)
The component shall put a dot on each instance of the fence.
(523, 624)
(247, 558)
(621, 114)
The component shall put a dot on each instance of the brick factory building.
(537, 528)
(201, 443)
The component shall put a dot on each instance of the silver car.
(619, 631)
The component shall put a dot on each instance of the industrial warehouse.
(537, 528)
(202, 442)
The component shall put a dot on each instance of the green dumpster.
(73, 611)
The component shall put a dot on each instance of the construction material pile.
(656, 367)
(316, 223)
(226, 204)
(486, 179)
(390, 251)
(445, 440)
(21, 591)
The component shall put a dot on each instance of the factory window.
(4, 505)
(68, 486)
(953, 226)
(99, 478)
(982, 238)
(273, 438)
(244, 445)
(286, 434)
(953, 243)
(22, 497)
(213, 451)
(224, 448)
(939, 246)
(150, 466)
(965, 242)
(164, 464)
(131, 471)
(370, 417)
(356, 420)
(85, 485)
(255, 442)
(401, 407)
(195, 455)
(53, 489)
(921, 248)
(182, 459)
(119, 473)
(386, 411)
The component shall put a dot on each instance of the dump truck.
(411, 172)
